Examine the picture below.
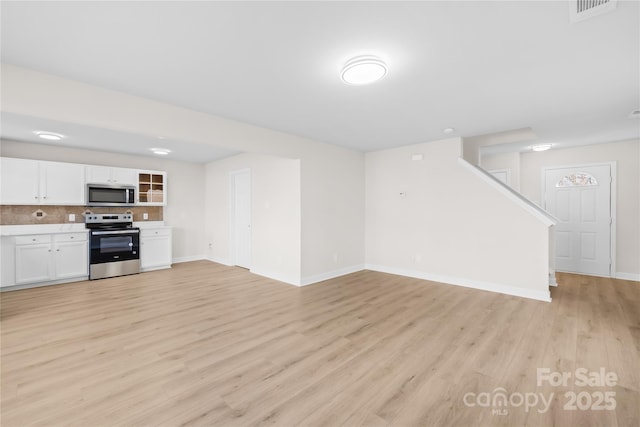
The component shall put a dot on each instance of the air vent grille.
(584, 9)
(583, 5)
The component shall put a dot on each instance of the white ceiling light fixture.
(448, 130)
(160, 151)
(49, 136)
(363, 70)
(541, 147)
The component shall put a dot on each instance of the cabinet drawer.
(70, 237)
(155, 232)
(32, 239)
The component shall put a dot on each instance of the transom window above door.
(579, 179)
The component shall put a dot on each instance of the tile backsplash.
(41, 214)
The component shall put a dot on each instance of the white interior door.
(241, 218)
(503, 175)
(580, 198)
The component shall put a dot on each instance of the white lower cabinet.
(71, 256)
(49, 257)
(155, 248)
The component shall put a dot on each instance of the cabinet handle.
(71, 237)
(35, 197)
(49, 250)
(33, 240)
(57, 250)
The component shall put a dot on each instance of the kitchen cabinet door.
(155, 248)
(33, 263)
(98, 175)
(8, 261)
(71, 259)
(20, 180)
(113, 176)
(124, 176)
(62, 183)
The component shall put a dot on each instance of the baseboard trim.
(540, 295)
(628, 276)
(275, 276)
(309, 280)
(40, 284)
(218, 260)
(188, 259)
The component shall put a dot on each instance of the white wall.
(275, 214)
(450, 226)
(626, 154)
(332, 213)
(185, 203)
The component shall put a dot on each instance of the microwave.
(110, 195)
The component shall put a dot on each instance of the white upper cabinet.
(29, 182)
(38, 182)
(61, 183)
(20, 181)
(109, 175)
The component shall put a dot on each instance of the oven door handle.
(101, 233)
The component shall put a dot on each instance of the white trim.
(188, 259)
(154, 268)
(541, 295)
(40, 284)
(218, 260)
(276, 276)
(613, 171)
(511, 194)
(309, 280)
(628, 276)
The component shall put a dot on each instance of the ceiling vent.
(579, 10)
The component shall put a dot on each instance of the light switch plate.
(145, 216)
(72, 217)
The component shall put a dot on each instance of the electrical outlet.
(72, 217)
(145, 216)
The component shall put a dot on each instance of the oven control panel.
(110, 218)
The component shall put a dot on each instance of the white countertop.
(17, 230)
(150, 224)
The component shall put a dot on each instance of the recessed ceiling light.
(635, 114)
(448, 130)
(363, 70)
(541, 147)
(160, 151)
(50, 136)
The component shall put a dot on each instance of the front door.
(580, 198)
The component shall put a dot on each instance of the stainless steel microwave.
(110, 195)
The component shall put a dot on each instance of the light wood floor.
(204, 344)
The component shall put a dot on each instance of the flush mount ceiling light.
(541, 147)
(363, 70)
(448, 130)
(49, 136)
(160, 151)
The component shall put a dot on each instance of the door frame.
(232, 212)
(506, 171)
(612, 203)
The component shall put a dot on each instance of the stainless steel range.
(114, 248)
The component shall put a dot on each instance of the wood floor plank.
(204, 344)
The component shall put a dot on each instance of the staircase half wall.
(432, 215)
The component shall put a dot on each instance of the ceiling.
(479, 67)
